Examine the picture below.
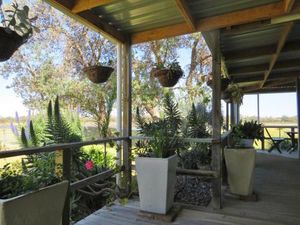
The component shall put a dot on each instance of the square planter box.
(240, 165)
(42, 207)
(156, 182)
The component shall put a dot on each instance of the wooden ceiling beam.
(84, 5)
(283, 37)
(90, 20)
(185, 12)
(288, 5)
(241, 17)
(212, 23)
(160, 33)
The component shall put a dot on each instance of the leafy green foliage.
(248, 130)
(164, 131)
(58, 129)
(197, 122)
(17, 19)
(235, 93)
(173, 66)
(198, 156)
(33, 136)
(24, 138)
(34, 173)
(95, 153)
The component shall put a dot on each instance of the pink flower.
(89, 165)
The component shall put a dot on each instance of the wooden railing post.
(263, 140)
(127, 116)
(217, 157)
(67, 161)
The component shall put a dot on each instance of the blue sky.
(274, 105)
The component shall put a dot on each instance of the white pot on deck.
(156, 182)
(42, 207)
(240, 165)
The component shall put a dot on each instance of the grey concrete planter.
(42, 207)
(156, 181)
(240, 165)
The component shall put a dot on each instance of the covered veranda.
(277, 182)
(254, 43)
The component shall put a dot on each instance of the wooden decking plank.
(277, 185)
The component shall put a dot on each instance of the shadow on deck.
(277, 186)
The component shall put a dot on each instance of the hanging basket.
(167, 77)
(9, 43)
(224, 83)
(98, 74)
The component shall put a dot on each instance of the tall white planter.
(156, 182)
(42, 207)
(240, 165)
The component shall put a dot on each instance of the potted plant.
(31, 199)
(244, 133)
(240, 159)
(156, 174)
(16, 29)
(99, 73)
(224, 82)
(233, 93)
(168, 75)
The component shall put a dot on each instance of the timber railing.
(66, 165)
(67, 149)
(203, 173)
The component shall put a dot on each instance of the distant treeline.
(12, 119)
(270, 120)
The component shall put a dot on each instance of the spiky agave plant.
(165, 131)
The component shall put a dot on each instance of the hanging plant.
(224, 82)
(16, 29)
(99, 73)
(167, 75)
(233, 93)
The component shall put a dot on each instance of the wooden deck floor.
(277, 185)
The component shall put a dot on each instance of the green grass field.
(8, 141)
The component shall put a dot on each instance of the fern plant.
(58, 130)
(198, 154)
(164, 131)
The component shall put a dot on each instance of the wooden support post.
(227, 116)
(67, 161)
(216, 120)
(298, 112)
(232, 114)
(238, 113)
(119, 105)
(127, 115)
(258, 109)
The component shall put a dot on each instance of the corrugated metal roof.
(249, 62)
(138, 15)
(206, 8)
(262, 36)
